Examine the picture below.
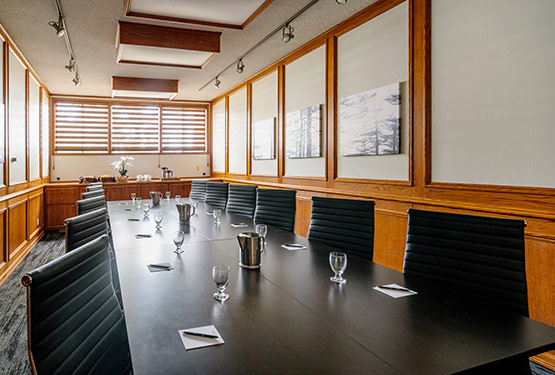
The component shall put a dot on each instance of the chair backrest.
(276, 207)
(477, 255)
(90, 204)
(198, 190)
(84, 228)
(216, 194)
(92, 193)
(242, 200)
(94, 187)
(345, 224)
(74, 322)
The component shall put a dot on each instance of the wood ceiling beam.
(139, 34)
(144, 84)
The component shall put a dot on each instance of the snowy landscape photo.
(370, 122)
(263, 139)
(304, 133)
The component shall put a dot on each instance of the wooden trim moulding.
(163, 64)
(144, 84)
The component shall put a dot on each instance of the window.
(113, 127)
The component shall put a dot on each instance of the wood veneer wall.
(21, 204)
(394, 198)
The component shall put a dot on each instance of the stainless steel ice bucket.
(250, 247)
(185, 211)
(156, 196)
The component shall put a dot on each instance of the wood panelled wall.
(394, 198)
(21, 204)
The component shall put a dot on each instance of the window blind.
(135, 128)
(80, 127)
(183, 129)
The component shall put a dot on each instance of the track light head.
(240, 66)
(287, 33)
(71, 65)
(77, 80)
(217, 83)
(341, 1)
(58, 26)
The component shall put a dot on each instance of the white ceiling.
(163, 55)
(92, 28)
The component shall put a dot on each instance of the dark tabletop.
(287, 317)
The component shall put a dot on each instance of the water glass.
(146, 208)
(178, 238)
(178, 199)
(158, 217)
(262, 229)
(220, 275)
(338, 263)
(133, 197)
(217, 213)
(168, 195)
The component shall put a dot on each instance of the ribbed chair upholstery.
(95, 184)
(481, 256)
(94, 187)
(276, 207)
(92, 193)
(241, 200)
(344, 224)
(74, 322)
(90, 204)
(216, 194)
(198, 190)
(87, 227)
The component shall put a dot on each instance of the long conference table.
(288, 317)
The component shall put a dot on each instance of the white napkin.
(293, 248)
(194, 342)
(239, 225)
(395, 293)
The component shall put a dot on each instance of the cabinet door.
(62, 195)
(121, 192)
(148, 187)
(180, 188)
(57, 213)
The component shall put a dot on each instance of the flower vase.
(122, 179)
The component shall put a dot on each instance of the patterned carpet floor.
(13, 314)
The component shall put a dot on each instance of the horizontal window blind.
(80, 127)
(135, 128)
(183, 129)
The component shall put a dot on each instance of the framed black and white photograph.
(264, 139)
(304, 133)
(370, 122)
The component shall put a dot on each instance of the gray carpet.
(13, 313)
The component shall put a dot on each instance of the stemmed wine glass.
(178, 199)
(262, 229)
(158, 217)
(178, 238)
(133, 197)
(146, 208)
(139, 200)
(168, 195)
(217, 213)
(220, 275)
(338, 263)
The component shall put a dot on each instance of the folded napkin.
(143, 235)
(209, 213)
(158, 267)
(293, 246)
(134, 219)
(194, 342)
(239, 225)
(394, 293)
(127, 209)
(123, 203)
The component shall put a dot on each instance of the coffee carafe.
(185, 211)
(250, 247)
(156, 196)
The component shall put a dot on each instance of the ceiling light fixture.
(287, 34)
(240, 66)
(71, 65)
(61, 30)
(281, 28)
(217, 83)
(341, 1)
(58, 26)
(77, 80)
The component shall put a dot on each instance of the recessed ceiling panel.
(163, 56)
(218, 12)
(142, 94)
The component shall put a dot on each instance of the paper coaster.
(395, 293)
(194, 342)
(153, 268)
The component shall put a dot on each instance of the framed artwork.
(304, 133)
(370, 122)
(264, 139)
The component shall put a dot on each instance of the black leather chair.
(94, 187)
(95, 184)
(276, 207)
(481, 256)
(241, 200)
(90, 204)
(344, 224)
(92, 194)
(198, 190)
(74, 322)
(216, 194)
(87, 227)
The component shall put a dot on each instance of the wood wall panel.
(34, 215)
(17, 228)
(540, 266)
(302, 218)
(3, 244)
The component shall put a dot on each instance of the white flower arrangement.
(122, 165)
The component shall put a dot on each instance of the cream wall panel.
(492, 92)
(373, 55)
(16, 121)
(45, 134)
(265, 105)
(305, 85)
(34, 129)
(238, 132)
(218, 137)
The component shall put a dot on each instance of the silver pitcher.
(156, 196)
(250, 247)
(185, 211)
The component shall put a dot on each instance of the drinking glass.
(178, 238)
(262, 229)
(133, 197)
(146, 208)
(139, 200)
(195, 205)
(158, 217)
(220, 275)
(178, 199)
(217, 213)
(168, 195)
(338, 263)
